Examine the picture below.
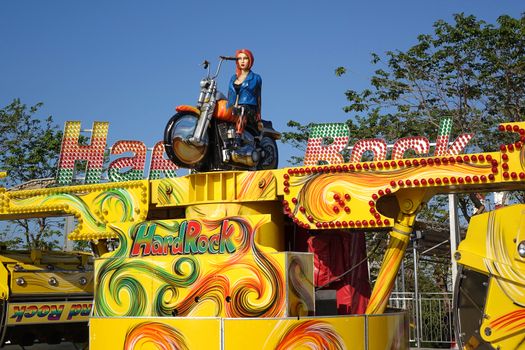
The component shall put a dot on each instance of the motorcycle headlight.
(186, 152)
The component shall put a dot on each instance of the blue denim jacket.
(249, 93)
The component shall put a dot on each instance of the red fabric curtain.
(335, 252)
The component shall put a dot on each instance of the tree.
(469, 70)
(29, 149)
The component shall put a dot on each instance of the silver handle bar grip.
(228, 58)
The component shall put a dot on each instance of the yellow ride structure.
(201, 261)
(46, 296)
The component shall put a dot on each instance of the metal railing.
(430, 317)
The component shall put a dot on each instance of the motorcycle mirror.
(205, 64)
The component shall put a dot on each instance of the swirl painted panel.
(192, 268)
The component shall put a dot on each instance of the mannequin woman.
(244, 94)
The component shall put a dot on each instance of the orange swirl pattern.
(314, 335)
(257, 185)
(260, 293)
(161, 336)
(346, 195)
(210, 288)
(510, 322)
(250, 280)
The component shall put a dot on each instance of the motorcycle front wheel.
(179, 150)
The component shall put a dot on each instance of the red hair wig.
(250, 57)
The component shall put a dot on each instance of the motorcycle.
(203, 137)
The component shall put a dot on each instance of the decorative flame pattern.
(162, 336)
(510, 322)
(94, 206)
(346, 196)
(314, 335)
(258, 292)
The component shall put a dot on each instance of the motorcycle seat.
(267, 124)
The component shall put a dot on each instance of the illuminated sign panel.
(318, 150)
(95, 155)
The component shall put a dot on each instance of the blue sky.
(131, 62)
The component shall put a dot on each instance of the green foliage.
(41, 233)
(340, 71)
(29, 146)
(82, 246)
(29, 149)
(470, 70)
(9, 240)
(297, 139)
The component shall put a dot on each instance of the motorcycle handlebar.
(228, 58)
(206, 65)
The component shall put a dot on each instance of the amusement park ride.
(213, 260)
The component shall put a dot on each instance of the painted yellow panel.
(491, 247)
(330, 333)
(388, 331)
(504, 324)
(224, 258)
(95, 207)
(271, 234)
(238, 186)
(351, 195)
(33, 281)
(246, 286)
(137, 333)
(170, 191)
(300, 284)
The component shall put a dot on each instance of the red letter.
(419, 144)
(136, 162)
(159, 165)
(317, 150)
(442, 148)
(378, 146)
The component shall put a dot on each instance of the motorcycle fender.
(186, 108)
(272, 133)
